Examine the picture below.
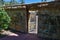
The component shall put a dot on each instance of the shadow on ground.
(21, 37)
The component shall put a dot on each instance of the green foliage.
(4, 19)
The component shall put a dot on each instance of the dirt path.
(21, 37)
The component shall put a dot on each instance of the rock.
(9, 33)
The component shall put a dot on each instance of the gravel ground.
(21, 37)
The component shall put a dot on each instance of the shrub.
(4, 19)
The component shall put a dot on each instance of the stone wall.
(18, 17)
(48, 23)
